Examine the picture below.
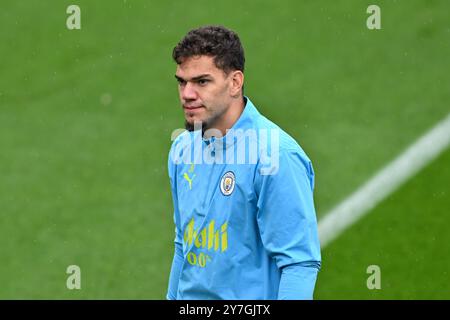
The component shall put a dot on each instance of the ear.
(237, 81)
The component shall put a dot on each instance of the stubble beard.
(205, 124)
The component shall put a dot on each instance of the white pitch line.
(385, 182)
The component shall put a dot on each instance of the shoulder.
(181, 138)
(180, 145)
(275, 141)
(179, 150)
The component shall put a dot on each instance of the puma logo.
(188, 178)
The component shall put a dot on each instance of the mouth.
(190, 108)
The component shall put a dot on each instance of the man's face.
(204, 91)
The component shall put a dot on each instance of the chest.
(219, 192)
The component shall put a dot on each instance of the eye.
(181, 82)
(203, 82)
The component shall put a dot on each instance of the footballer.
(242, 188)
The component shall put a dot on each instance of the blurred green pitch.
(86, 117)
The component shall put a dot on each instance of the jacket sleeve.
(298, 281)
(178, 258)
(287, 223)
(175, 271)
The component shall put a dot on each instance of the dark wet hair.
(215, 41)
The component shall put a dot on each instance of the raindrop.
(105, 99)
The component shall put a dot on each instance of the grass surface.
(405, 236)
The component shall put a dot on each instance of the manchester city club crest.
(227, 183)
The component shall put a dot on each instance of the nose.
(188, 92)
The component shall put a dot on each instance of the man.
(245, 223)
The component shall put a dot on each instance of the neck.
(230, 117)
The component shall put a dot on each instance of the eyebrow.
(206, 75)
